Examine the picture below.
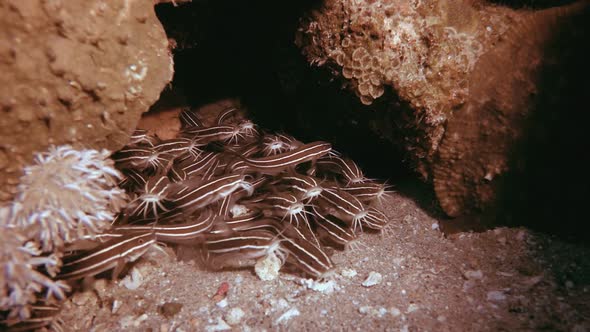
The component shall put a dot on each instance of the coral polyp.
(66, 194)
(20, 280)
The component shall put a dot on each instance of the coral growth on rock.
(410, 46)
(465, 70)
(422, 52)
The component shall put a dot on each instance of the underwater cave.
(241, 57)
(472, 113)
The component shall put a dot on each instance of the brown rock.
(75, 73)
(463, 75)
(481, 136)
(170, 309)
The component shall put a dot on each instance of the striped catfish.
(248, 150)
(286, 206)
(43, 315)
(153, 200)
(224, 116)
(247, 189)
(305, 255)
(89, 242)
(131, 155)
(226, 204)
(307, 186)
(252, 243)
(374, 219)
(293, 246)
(194, 167)
(224, 250)
(273, 225)
(177, 174)
(142, 137)
(333, 229)
(347, 168)
(142, 159)
(113, 254)
(247, 217)
(275, 164)
(248, 128)
(228, 223)
(255, 221)
(368, 192)
(342, 205)
(189, 232)
(132, 180)
(275, 144)
(211, 170)
(189, 118)
(190, 196)
(180, 146)
(224, 133)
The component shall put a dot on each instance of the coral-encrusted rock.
(466, 71)
(423, 52)
(75, 72)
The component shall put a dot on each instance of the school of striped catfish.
(235, 193)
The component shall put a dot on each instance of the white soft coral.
(66, 194)
(20, 280)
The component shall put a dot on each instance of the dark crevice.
(246, 50)
(532, 4)
(229, 49)
(47, 121)
(548, 188)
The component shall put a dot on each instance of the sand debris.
(326, 287)
(373, 279)
(222, 304)
(348, 273)
(221, 292)
(220, 326)
(234, 316)
(471, 274)
(268, 267)
(133, 280)
(496, 296)
(170, 309)
(293, 312)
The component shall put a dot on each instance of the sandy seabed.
(505, 279)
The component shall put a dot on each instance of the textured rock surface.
(77, 73)
(464, 73)
(481, 137)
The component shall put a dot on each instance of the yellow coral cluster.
(363, 70)
(415, 47)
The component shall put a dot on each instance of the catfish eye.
(140, 241)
